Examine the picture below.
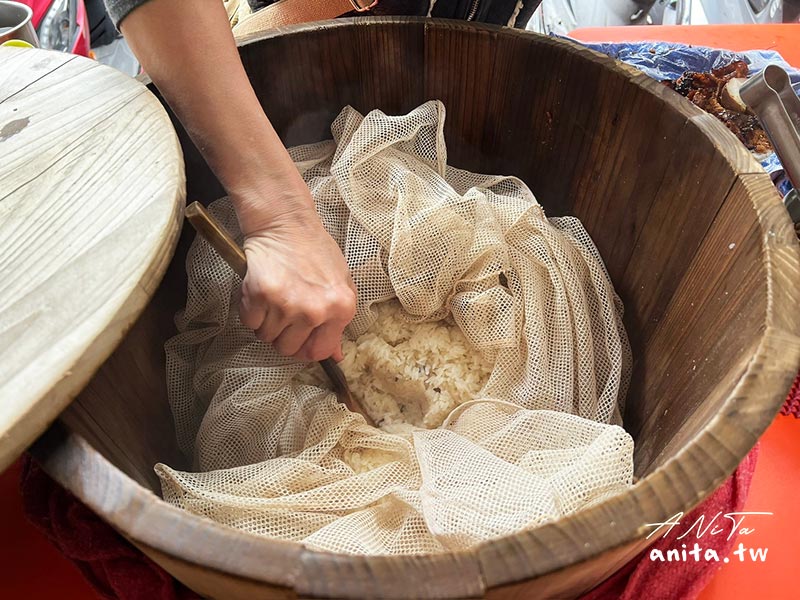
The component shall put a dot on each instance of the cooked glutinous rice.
(408, 374)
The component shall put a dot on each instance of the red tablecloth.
(118, 571)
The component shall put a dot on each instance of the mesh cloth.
(542, 438)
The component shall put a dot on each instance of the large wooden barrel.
(693, 234)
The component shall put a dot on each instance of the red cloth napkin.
(118, 571)
(113, 567)
(792, 404)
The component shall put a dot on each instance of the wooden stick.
(216, 235)
(219, 238)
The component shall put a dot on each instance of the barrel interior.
(665, 192)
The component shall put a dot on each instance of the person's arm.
(298, 293)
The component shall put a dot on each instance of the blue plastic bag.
(667, 60)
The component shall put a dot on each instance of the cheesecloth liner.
(541, 440)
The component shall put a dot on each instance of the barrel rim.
(719, 448)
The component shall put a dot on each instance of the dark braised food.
(717, 93)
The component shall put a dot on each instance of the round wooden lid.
(92, 189)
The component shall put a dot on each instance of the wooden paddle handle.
(216, 235)
(219, 238)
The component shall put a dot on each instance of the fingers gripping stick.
(216, 235)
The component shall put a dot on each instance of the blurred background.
(83, 27)
(563, 16)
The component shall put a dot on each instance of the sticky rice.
(408, 375)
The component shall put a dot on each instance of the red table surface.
(33, 569)
(784, 38)
(776, 483)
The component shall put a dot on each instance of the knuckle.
(249, 317)
(289, 345)
(284, 306)
(282, 347)
(257, 289)
(314, 356)
(304, 355)
(314, 315)
(351, 306)
(316, 350)
(341, 304)
(266, 334)
(319, 354)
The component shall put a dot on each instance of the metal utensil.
(771, 97)
(216, 235)
(15, 23)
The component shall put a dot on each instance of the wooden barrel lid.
(91, 195)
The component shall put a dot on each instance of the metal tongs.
(771, 97)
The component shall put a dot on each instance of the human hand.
(298, 294)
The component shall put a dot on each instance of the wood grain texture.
(139, 514)
(210, 583)
(694, 237)
(91, 189)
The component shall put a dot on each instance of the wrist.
(272, 202)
